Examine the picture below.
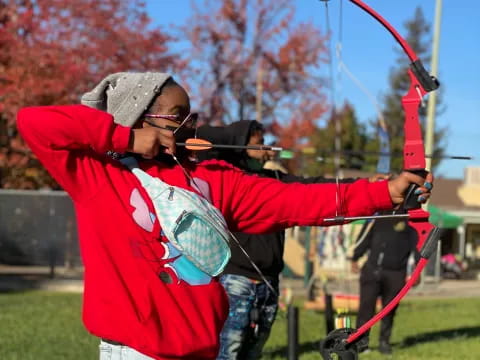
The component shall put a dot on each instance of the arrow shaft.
(341, 219)
(223, 146)
(353, 152)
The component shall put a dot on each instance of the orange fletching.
(198, 144)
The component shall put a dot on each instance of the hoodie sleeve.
(254, 204)
(289, 178)
(71, 142)
(232, 134)
(216, 135)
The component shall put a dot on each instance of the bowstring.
(237, 242)
(339, 200)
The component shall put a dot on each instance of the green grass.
(47, 326)
(44, 325)
(423, 329)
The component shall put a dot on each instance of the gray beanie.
(125, 95)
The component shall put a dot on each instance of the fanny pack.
(191, 224)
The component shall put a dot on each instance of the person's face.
(257, 139)
(171, 111)
(174, 104)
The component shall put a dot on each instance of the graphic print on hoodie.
(174, 262)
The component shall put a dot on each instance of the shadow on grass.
(34, 281)
(14, 283)
(450, 334)
(282, 351)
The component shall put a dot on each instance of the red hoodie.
(123, 250)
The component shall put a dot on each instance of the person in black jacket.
(253, 305)
(390, 243)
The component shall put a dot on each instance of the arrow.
(201, 144)
(197, 144)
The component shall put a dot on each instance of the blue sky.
(368, 51)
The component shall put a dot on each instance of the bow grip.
(411, 201)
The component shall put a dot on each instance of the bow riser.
(418, 219)
(413, 150)
(414, 155)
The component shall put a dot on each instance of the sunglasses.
(190, 121)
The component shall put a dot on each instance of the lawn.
(47, 326)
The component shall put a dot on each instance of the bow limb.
(403, 43)
(430, 235)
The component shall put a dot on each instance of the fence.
(38, 228)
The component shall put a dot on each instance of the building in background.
(461, 197)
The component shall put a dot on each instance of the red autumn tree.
(52, 51)
(251, 61)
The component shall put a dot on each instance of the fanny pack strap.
(130, 162)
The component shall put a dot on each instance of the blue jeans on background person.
(120, 352)
(241, 338)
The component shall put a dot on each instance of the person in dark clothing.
(253, 305)
(390, 243)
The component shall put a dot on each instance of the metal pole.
(461, 241)
(308, 263)
(329, 321)
(432, 100)
(52, 253)
(259, 96)
(292, 332)
(438, 257)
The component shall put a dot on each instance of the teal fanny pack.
(191, 224)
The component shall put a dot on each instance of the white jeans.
(120, 352)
